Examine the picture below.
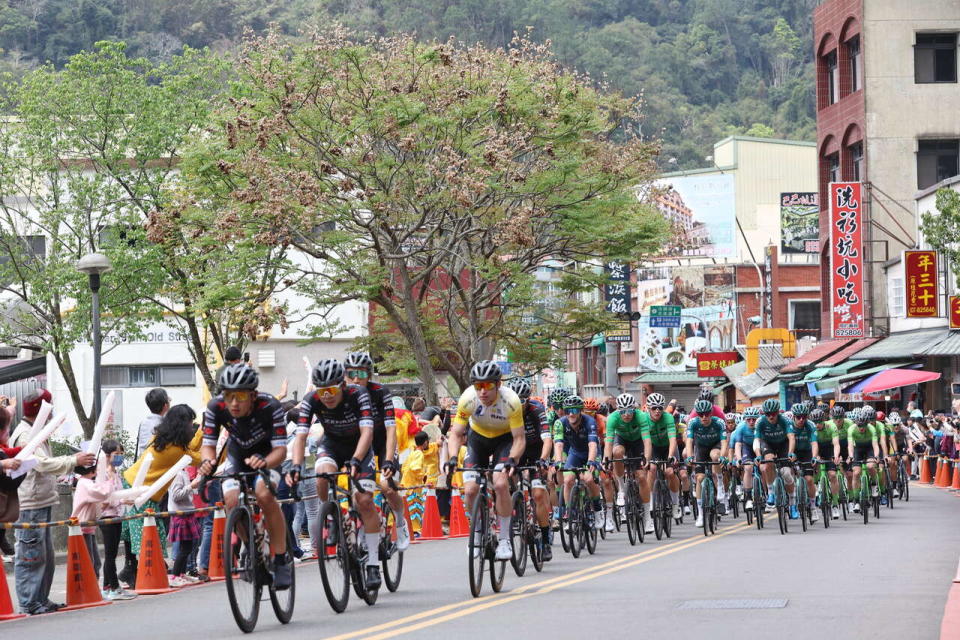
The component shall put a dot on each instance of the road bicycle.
(865, 495)
(524, 528)
(343, 557)
(391, 559)
(903, 479)
(708, 498)
(825, 498)
(759, 496)
(887, 485)
(734, 492)
(662, 508)
(632, 505)
(482, 543)
(247, 561)
(802, 497)
(779, 491)
(579, 516)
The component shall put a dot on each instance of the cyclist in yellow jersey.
(494, 414)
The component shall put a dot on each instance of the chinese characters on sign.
(618, 298)
(955, 312)
(846, 260)
(920, 280)
(800, 222)
(711, 363)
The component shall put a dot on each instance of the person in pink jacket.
(707, 394)
(88, 501)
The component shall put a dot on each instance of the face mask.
(117, 461)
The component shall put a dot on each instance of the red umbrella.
(894, 378)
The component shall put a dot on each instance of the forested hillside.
(706, 68)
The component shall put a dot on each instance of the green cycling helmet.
(770, 406)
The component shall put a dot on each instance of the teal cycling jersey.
(804, 436)
(707, 433)
(774, 432)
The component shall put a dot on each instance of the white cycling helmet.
(626, 401)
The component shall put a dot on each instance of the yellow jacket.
(163, 460)
(413, 469)
(431, 463)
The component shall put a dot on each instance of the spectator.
(9, 504)
(88, 499)
(108, 473)
(159, 403)
(231, 356)
(414, 473)
(418, 405)
(176, 436)
(35, 560)
(185, 528)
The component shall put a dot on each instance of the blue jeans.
(215, 495)
(34, 564)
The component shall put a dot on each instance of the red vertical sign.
(920, 282)
(954, 312)
(846, 260)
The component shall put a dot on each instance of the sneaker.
(874, 491)
(504, 549)
(771, 499)
(883, 499)
(676, 512)
(813, 516)
(609, 524)
(835, 513)
(749, 505)
(190, 579)
(282, 576)
(856, 507)
(123, 594)
(178, 582)
(722, 508)
(699, 522)
(739, 491)
(769, 508)
(403, 535)
(547, 553)
(794, 512)
(373, 577)
(648, 523)
(686, 509)
(621, 499)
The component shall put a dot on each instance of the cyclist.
(774, 439)
(706, 440)
(681, 425)
(596, 410)
(900, 440)
(538, 448)
(347, 416)
(578, 438)
(882, 431)
(890, 448)
(806, 447)
(842, 423)
(659, 433)
(828, 447)
(743, 449)
(359, 369)
(715, 410)
(554, 413)
(257, 428)
(494, 414)
(862, 438)
(624, 439)
(731, 420)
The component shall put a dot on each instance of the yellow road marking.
(538, 588)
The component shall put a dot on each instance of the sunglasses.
(328, 391)
(772, 413)
(750, 419)
(573, 411)
(362, 374)
(231, 396)
(484, 386)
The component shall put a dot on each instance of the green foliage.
(941, 230)
(707, 68)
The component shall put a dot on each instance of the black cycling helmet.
(817, 415)
(239, 377)
(521, 387)
(485, 371)
(705, 394)
(358, 360)
(703, 407)
(573, 402)
(328, 373)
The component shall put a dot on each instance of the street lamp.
(94, 264)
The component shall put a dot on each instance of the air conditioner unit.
(266, 358)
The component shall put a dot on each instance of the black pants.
(111, 545)
(90, 539)
(186, 548)
(443, 502)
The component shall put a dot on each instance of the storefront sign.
(955, 312)
(710, 364)
(800, 222)
(846, 260)
(618, 298)
(920, 279)
(665, 316)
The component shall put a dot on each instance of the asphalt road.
(887, 580)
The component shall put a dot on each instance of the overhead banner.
(846, 260)
(955, 312)
(920, 280)
(710, 364)
(618, 298)
(702, 214)
(800, 222)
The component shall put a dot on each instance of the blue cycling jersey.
(743, 433)
(578, 439)
(707, 433)
(804, 436)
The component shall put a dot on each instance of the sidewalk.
(950, 626)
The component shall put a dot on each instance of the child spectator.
(108, 475)
(88, 500)
(184, 529)
(413, 475)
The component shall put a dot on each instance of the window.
(896, 299)
(853, 55)
(833, 167)
(805, 317)
(593, 364)
(937, 160)
(833, 78)
(166, 376)
(935, 58)
(143, 377)
(177, 376)
(856, 162)
(115, 376)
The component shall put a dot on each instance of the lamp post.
(95, 264)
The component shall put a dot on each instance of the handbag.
(9, 505)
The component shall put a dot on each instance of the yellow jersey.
(504, 415)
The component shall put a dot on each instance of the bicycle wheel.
(667, 516)
(758, 503)
(889, 480)
(535, 541)
(564, 533)
(658, 511)
(240, 561)
(518, 534)
(592, 524)
(497, 567)
(905, 483)
(334, 560)
(628, 513)
(575, 521)
(865, 509)
(706, 503)
(617, 516)
(803, 503)
(825, 505)
(283, 600)
(477, 546)
(391, 560)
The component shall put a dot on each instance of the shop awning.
(653, 377)
(904, 345)
(767, 390)
(893, 379)
(950, 346)
(848, 352)
(846, 367)
(828, 385)
(816, 374)
(721, 387)
(815, 355)
(820, 373)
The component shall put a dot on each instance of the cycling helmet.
(817, 415)
(485, 371)
(881, 416)
(751, 412)
(860, 416)
(838, 412)
(770, 405)
(328, 373)
(788, 415)
(358, 360)
(801, 409)
(520, 386)
(823, 406)
(734, 418)
(868, 412)
(703, 407)
(626, 401)
(591, 404)
(894, 419)
(657, 401)
(573, 402)
(705, 394)
(556, 397)
(239, 377)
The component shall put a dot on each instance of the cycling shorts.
(805, 458)
(485, 452)
(236, 463)
(778, 449)
(661, 453)
(530, 459)
(338, 453)
(861, 452)
(576, 459)
(702, 452)
(844, 451)
(631, 448)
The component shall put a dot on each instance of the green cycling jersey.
(661, 432)
(862, 435)
(626, 429)
(842, 427)
(826, 432)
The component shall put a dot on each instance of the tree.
(941, 229)
(433, 180)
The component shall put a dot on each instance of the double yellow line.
(456, 610)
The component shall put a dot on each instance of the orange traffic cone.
(942, 473)
(215, 571)
(925, 476)
(938, 473)
(6, 604)
(151, 569)
(432, 529)
(83, 589)
(459, 527)
(955, 485)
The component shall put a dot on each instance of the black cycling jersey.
(535, 427)
(343, 422)
(260, 432)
